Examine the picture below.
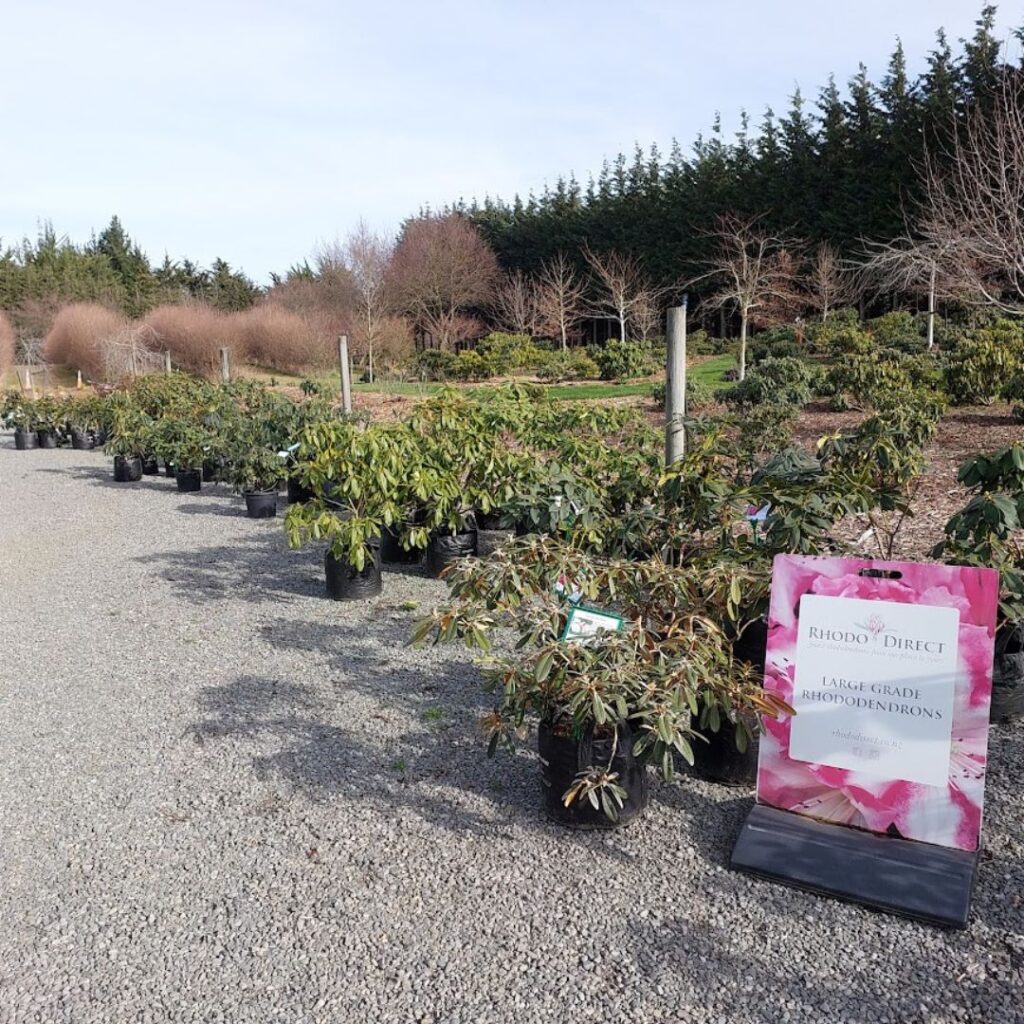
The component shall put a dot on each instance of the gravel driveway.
(225, 798)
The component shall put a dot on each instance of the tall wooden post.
(346, 375)
(225, 365)
(675, 383)
(931, 307)
(167, 362)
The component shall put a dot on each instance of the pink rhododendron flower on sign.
(947, 815)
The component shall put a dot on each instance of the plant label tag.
(586, 623)
(757, 515)
(570, 591)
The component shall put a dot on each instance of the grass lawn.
(710, 371)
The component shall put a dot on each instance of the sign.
(585, 623)
(889, 668)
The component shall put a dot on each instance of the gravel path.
(225, 798)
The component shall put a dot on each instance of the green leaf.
(543, 667)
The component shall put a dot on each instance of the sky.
(254, 131)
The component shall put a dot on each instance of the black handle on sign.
(882, 574)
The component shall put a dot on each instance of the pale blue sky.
(251, 130)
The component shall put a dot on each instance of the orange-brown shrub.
(194, 335)
(79, 334)
(6, 345)
(279, 339)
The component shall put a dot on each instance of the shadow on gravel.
(711, 825)
(873, 967)
(367, 768)
(420, 737)
(258, 568)
(104, 477)
(233, 509)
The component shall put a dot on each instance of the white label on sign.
(874, 687)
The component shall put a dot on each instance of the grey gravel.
(226, 798)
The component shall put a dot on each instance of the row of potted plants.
(598, 519)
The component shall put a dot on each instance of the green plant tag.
(585, 623)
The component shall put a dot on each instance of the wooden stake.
(346, 373)
(675, 383)
(225, 365)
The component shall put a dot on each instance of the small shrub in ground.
(1013, 390)
(505, 353)
(194, 334)
(619, 360)
(948, 334)
(977, 371)
(866, 379)
(7, 345)
(845, 341)
(79, 335)
(923, 369)
(434, 364)
(697, 393)
(839, 335)
(899, 330)
(784, 381)
(774, 343)
(765, 428)
(278, 339)
(572, 365)
(699, 343)
(470, 365)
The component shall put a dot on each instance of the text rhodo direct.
(900, 643)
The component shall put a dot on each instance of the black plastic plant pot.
(170, 469)
(563, 756)
(751, 645)
(391, 549)
(297, 492)
(1008, 673)
(46, 439)
(150, 466)
(211, 472)
(346, 583)
(189, 480)
(260, 504)
(24, 439)
(445, 549)
(127, 470)
(489, 520)
(82, 440)
(720, 760)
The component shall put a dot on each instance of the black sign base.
(929, 883)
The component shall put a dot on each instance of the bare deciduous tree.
(516, 305)
(829, 283)
(752, 271)
(647, 313)
(441, 268)
(619, 282)
(367, 255)
(913, 265)
(560, 296)
(973, 202)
